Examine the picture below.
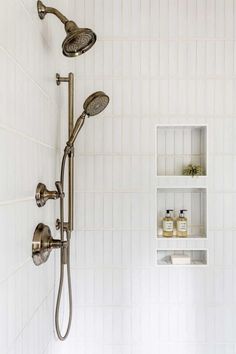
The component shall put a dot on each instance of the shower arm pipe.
(43, 10)
(70, 80)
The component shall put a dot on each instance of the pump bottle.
(181, 224)
(168, 224)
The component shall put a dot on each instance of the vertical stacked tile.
(30, 104)
(161, 62)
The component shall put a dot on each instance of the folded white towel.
(180, 259)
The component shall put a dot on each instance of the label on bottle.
(168, 225)
(182, 226)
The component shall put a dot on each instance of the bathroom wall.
(160, 62)
(30, 106)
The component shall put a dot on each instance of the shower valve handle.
(42, 195)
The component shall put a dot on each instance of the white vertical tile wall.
(30, 106)
(161, 62)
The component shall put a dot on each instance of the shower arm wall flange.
(70, 150)
(44, 10)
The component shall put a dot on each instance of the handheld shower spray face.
(78, 40)
(96, 103)
(93, 105)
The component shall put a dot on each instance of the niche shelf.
(192, 199)
(178, 146)
(197, 257)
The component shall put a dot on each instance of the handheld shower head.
(96, 103)
(93, 105)
(78, 40)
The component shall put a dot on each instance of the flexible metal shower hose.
(63, 263)
(62, 259)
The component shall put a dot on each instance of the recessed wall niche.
(196, 257)
(177, 146)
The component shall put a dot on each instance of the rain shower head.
(78, 40)
(93, 105)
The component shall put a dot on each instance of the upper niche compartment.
(177, 146)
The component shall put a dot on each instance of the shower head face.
(96, 103)
(78, 40)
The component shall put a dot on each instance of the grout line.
(31, 318)
(157, 115)
(112, 179)
(45, 351)
(15, 131)
(110, 229)
(14, 201)
(25, 72)
(128, 305)
(40, 32)
(163, 39)
(152, 155)
(93, 173)
(15, 270)
(140, 267)
(149, 191)
(157, 77)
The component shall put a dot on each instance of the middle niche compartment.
(192, 199)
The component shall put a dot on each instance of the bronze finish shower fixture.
(78, 40)
(43, 243)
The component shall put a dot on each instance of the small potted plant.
(193, 170)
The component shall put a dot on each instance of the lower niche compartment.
(182, 257)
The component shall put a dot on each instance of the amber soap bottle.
(168, 224)
(181, 224)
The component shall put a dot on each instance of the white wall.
(160, 62)
(30, 55)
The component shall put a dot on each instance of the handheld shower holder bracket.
(58, 225)
(60, 79)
